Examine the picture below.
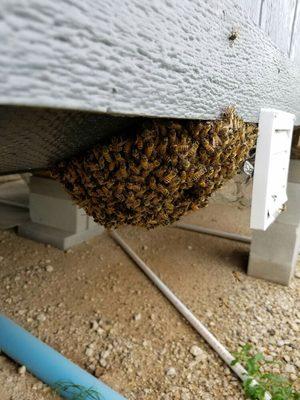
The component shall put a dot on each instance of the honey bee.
(203, 183)
(205, 129)
(95, 152)
(141, 192)
(146, 172)
(176, 126)
(116, 144)
(168, 178)
(225, 137)
(175, 182)
(195, 128)
(122, 170)
(127, 147)
(186, 164)
(173, 160)
(197, 175)
(181, 148)
(149, 149)
(149, 134)
(110, 209)
(135, 154)
(138, 179)
(130, 196)
(162, 129)
(162, 189)
(105, 191)
(133, 186)
(163, 146)
(119, 158)
(111, 166)
(152, 183)
(170, 207)
(160, 172)
(139, 143)
(106, 154)
(183, 176)
(155, 164)
(193, 149)
(133, 168)
(120, 187)
(172, 136)
(242, 151)
(121, 197)
(208, 147)
(144, 162)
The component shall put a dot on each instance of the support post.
(274, 252)
(54, 218)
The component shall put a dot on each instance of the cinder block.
(55, 219)
(294, 171)
(57, 237)
(57, 212)
(274, 252)
(47, 187)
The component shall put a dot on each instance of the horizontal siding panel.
(252, 9)
(277, 21)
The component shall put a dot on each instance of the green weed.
(279, 387)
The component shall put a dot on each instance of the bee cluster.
(158, 173)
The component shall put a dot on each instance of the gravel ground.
(93, 305)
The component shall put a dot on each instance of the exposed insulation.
(158, 173)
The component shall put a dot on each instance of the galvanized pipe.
(213, 232)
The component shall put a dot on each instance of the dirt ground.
(95, 306)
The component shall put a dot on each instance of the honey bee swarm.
(159, 173)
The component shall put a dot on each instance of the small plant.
(259, 383)
(77, 392)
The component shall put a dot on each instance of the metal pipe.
(213, 232)
(47, 364)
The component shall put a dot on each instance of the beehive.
(160, 172)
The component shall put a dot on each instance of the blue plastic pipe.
(47, 364)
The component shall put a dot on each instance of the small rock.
(103, 362)
(98, 372)
(22, 370)
(49, 268)
(190, 247)
(297, 274)
(41, 317)
(105, 354)
(171, 372)
(137, 317)
(269, 358)
(94, 325)
(185, 396)
(1, 258)
(196, 351)
(89, 352)
(145, 247)
(100, 331)
(290, 369)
